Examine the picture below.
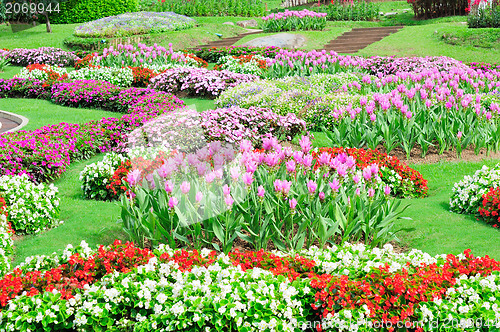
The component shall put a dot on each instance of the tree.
(31, 11)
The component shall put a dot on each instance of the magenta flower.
(322, 196)
(228, 200)
(133, 177)
(305, 144)
(387, 190)
(290, 166)
(248, 178)
(169, 186)
(261, 191)
(293, 203)
(312, 186)
(335, 185)
(172, 202)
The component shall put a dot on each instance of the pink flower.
(322, 196)
(169, 186)
(185, 187)
(278, 186)
(226, 190)
(293, 203)
(133, 177)
(228, 200)
(371, 192)
(290, 166)
(199, 196)
(459, 135)
(312, 186)
(172, 202)
(358, 191)
(387, 190)
(335, 185)
(248, 178)
(261, 191)
(305, 144)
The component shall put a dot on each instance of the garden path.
(7, 124)
(224, 42)
(359, 38)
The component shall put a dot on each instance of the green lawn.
(436, 230)
(43, 112)
(424, 41)
(92, 221)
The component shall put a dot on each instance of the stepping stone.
(247, 24)
(283, 40)
(228, 23)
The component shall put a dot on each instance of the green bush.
(351, 11)
(211, 7)
(80, 11)
(485, 18)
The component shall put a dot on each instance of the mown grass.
(463, 36)
(423, 41)
(42, 112)
(433, 228)
(92, 221)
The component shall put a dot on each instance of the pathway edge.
(23, 121)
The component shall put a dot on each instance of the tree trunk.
(47, 23)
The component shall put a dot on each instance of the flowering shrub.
(84, 93)
(234, 124)
(96, 177)
(117, 76)
(467, 194)
(487, 67)
(134, 24)
(142, 76)
(198, 82)
(243, 64)
(31, 208)
(294, 20)
(84, 62)
(491, 207)
(43, 55)
(401, 179)
(253, 291)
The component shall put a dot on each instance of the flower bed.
(31, 208)
(350, 10)
(243, 64)
(466, 196)
(199, 82)
(294, 20)
(490, 208)
(43, 55)
(134, 24)
(253, 291)
(6, 243)
(213, 54)
(96, 177)
(401, 179)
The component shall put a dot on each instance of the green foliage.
(79, 11)
(485, 18)
(246, 8)
(85, 43)
(484, 38)
(357, 11)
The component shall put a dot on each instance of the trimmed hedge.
(80, 11)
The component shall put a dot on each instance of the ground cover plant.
(134, 24)
(294, 20)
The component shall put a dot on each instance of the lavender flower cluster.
(134, 24)
(43, 55)
(234, 124)
(198, 82)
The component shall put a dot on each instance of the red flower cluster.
(491, 207)
(85, 62)
(116, 186)
(393, 297)
(53, 76)
(247, 58)
(201, 62)
(142, 76)
(291, 267)
(75, 273)
(367, 157)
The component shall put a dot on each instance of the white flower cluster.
(118, 76)
(466, 194)
(95, 177)
(31, 208)
(6, 244)
(238, 66)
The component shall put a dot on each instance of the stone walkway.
(224, 42)
(358, 38)
(7, 124)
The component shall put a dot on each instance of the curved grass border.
(23, 121)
